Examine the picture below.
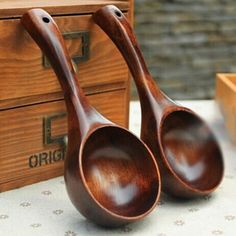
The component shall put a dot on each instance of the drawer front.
(24, 79)
(25, 157)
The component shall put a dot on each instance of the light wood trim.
(131, 12)
(226, 98)
(229, 79)
(225, 90)
(128, 95)
(16, 8)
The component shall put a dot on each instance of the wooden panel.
(21, 143)
(23, 76)
(13, 103)
(16, 8)
(131, 12)
(226, 98)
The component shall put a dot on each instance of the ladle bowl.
(111, 176)
(192, 163)
(189, 157)
(114, 171)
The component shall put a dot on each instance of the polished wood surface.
(16, 8)
(22, 137)
(189, 157)
(111, 176)
(24, 80)
(226, 98)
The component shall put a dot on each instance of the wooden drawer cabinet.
(226, 97)
(30, 95)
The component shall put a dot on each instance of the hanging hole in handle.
(118, 13)
(46, 20)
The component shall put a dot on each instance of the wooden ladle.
(111, 176)
(187, 153)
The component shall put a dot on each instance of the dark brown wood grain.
(110, 174)
(187, 152)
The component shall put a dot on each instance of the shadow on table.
(87, 228)
(200, 201)
(153, 223)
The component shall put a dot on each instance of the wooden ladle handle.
(115, 25)
(46, 34)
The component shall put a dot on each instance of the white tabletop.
(44, 208)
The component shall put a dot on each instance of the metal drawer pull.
(47, 130)
(85, 40)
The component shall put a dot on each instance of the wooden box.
(226, 98)
(32, 109)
